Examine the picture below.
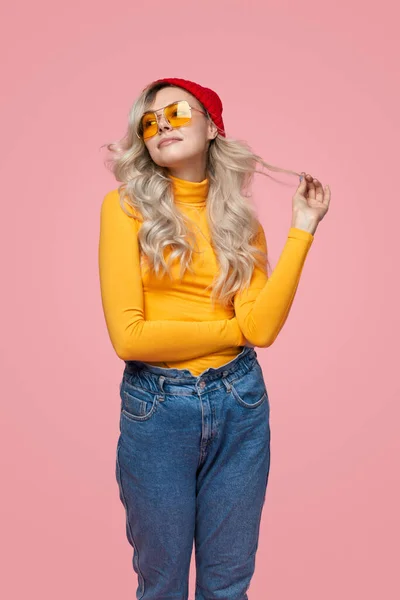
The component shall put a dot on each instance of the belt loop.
(225, 382)
(161, 380)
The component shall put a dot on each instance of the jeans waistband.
(158, 376)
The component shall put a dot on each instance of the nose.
(162, 122)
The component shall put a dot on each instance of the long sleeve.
(263, 307)
(132, 336)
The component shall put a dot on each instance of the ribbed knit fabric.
(171, 323)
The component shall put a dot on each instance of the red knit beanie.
(209, 99)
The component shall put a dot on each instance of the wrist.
(305, 224)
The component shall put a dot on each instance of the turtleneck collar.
(193, 193)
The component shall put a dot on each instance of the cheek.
(150, 143)
(194, 141)
(151, 147)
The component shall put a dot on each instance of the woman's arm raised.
(263, 307)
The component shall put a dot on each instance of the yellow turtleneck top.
(171, 323)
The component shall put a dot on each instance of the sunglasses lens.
(177, 114)
(148, 126)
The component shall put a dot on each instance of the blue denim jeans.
(192, 463)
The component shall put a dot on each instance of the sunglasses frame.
(153, 112)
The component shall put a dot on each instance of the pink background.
(311, 87)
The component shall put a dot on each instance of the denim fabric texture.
(192, 466)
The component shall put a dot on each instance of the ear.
(212, 130)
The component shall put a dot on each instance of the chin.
(174, 159)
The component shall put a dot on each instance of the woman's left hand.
(310, 201)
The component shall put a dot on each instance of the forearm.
(165, 340)
(263, 308)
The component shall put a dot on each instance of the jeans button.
(202, 384)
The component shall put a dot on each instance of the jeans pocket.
(250, 390)
(137, 403)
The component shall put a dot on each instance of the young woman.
(187, 297)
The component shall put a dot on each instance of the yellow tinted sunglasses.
(178, 114)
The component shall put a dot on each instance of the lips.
(167, 141)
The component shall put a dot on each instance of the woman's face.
(192, 147)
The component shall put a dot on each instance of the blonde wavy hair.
(232, 218)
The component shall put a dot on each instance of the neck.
(189, 172)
